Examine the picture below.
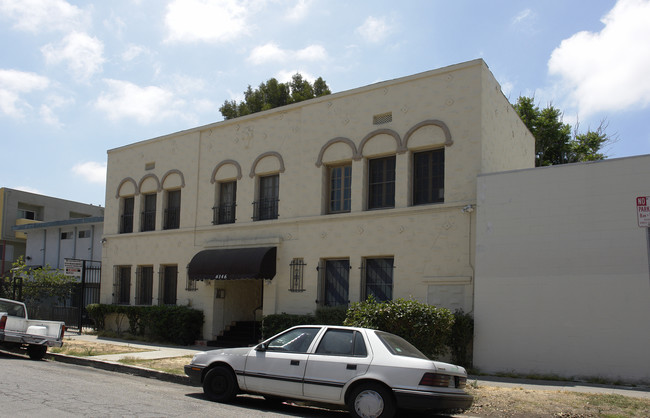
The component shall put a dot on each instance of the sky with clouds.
(80, 77)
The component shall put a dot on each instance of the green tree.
(555, 143)
(43, 282)
(274, 94)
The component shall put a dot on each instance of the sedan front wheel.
(371, 400)
(220, 384)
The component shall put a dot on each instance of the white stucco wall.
(562, 281)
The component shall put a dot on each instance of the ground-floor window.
(335, 282)
(144, 285)
(377, 280)
(168, 285)
(122, 285)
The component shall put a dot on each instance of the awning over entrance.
(232, 264)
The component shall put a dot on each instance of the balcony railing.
(172, 218)
(148, 220)
(224, 214)
(265, 209)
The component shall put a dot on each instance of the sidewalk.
(157, 351)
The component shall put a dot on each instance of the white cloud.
(92, 171)
(205, 20)
(39, 16)
(285, 76)
(134, 51)
(374, 30)
(608, 70)
(522, 16)
(48, 109)
(15, 83)
(270, 52)
(82, 54)
(144, 104)
(299, 11)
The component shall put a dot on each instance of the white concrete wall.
(562, 281)
(432, 245)
(45, 246)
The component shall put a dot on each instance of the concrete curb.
(120, 368)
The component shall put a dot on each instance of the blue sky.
(79, 77)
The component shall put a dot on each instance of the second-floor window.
(173, 211)
(429, 177)
(224, 212)
(381, 183)
(126, 222)
(267, 205)
(149, 213)
(340, 192)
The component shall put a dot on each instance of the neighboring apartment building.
(367, 192)
(21, 208)
(562, 280)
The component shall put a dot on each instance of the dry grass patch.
(173, 365)
(72, 347)
(518, 402)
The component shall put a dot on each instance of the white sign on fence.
(643, 211)
(73, 267)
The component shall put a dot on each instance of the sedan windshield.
(399, 346)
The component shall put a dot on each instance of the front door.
(279, 369)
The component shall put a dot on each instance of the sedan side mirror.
(261, 347)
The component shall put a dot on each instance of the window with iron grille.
(224, 213)
(334, 282)
(173, 211)
(190, 285)
(122, 285)
(267, 205)
(167, 285)
(340, 188)
(377, 279)
(296, 274)
(144, 285)
(149, 213)
(429, 177)
(126, 224)
(381, 183)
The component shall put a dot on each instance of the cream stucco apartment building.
(365, 192)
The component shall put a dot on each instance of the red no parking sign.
(643, 211)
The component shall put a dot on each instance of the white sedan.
(372, 372)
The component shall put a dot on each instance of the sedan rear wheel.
(220, 384)
(371, 401)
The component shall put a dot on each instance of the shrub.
(173, 324)
(425, 326)
(461, 339)
(331, 315)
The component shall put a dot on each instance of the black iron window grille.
(167, 283)
(334, 282)
(265, 209)
(377, 279)
(190, 285)
(340, 191)
(173, 211)
(121, 285)
(144, 285)
(223, 214)
(296, 274)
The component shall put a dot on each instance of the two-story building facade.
(325, 202)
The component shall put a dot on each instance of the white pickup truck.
(17, 332)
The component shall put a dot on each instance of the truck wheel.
(220, 384)
(36, 352)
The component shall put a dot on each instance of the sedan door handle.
(295, 362)
(351, 367)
